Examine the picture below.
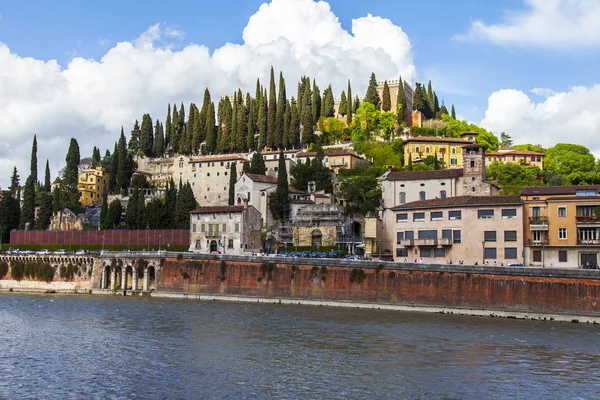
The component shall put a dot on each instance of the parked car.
(12, 251)
(26, 252)
(519, 265)
(81, 252)
(43, 252)
(60, 252)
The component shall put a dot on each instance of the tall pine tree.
(349, 105)
(70, 185)
(343, 108)
(272, 113)
(134, 139)
(316, 102)
(386, 102)
(453, 113)
(327, 107)
(168, 128)
(372, 95)
(401, 104)
(280, 113)
(146, 136)
(121, 155)
(308, 135)
(232, 180)
(47, 182)
(33, 169)
(282, 186)
(211, 137)
(294, 132)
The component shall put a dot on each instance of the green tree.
(361, 193)
(343, 104)
(168, 127)
(301, 175)
(280, 113)
(104, 208)
(282, 186)
(33, 169)
(316, 102)
(308, 135)
(386, 102)
(257, 164)
(505, 139)
(356, 103)
(443, 110)
(272, 113)
(349, 108)
(401, 104)
(430, 101)
(113, 216)
(96, 161)
(386, 122)
(47, 182)
(14, 183)
(134, 214)
(232, 180)
(186, 202)
(28, 207)
(453, 115)
(251, 128)
(70, 185)
(113, 169)
(10, 214)
(159, 141)
(320, 173)
(573, 161)
(287, 126)
(211, 137)
(146, 136)
(420, 101)
(122, 181)
(294, 132)
(134, 139)
(327, 106)
(372, 95)
(156, 215)
(45, 213)
(365, 122)
(512, 177)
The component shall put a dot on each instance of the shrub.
(16, 270)
(3, 269)
(358, 276)
(46, 273)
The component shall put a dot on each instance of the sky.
(79, 69)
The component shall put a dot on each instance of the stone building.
(254, 189)
(473, 229)
(448, 150)
(92, 185)
(208, 175)
(225, 229)
(394, 86)
(271, 159)
(157, 171)
(510, 155)
(334, 159)
(318, 225)
(562, 226)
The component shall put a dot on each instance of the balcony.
(588, 220)
(445, 241)
(541, 242)
(407, 242)
(426, 242)
(538, 223)
(588, 242)
(212, 234)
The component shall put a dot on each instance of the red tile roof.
(460, 201)
(552, 190)
(329, 153)
(434, 139)
(217, 209)
(418, 175)
(262, 178)
(224, 157)
(514, 153)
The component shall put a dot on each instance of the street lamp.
(483, 245)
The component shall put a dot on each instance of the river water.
(94, 347)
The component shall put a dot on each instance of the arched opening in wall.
(151, 278)
(213, 245)
(118, 276)
(129, 277)
(106, 278)
(140, 278)
(316, 238)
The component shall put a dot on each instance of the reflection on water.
(105, 347)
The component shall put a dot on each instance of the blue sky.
(517, 46)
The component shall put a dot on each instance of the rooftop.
(223, 157)
(329, 153)
(262, 178)
(433, 139)
(418, 175)
(514, 152)
(460, 201)
(217, 209)
(553, 190)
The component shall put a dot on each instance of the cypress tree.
(386, 102)
(121, 163)
(28, 207)
(356, 103)
(316, 102)
(436, 104)
(113, 215)
(197, 131)
(328, 109)
(168, 128)
(33, 169)
(308, 135)
(96, 161)
(430, 100)
(14, 183)
(372, 95)
(401, 105)
(211, 139)
(225, 123)
(257, 164)
(104, 208)
(287, 120)
(45, 213)
(146, 136)
(246, 167)
(251, 128)
(349, 105)
(282, 186)
(342, 110)
(47, 182)
(186, 202)
(189, 129)
(453, 112)
(272, 113)
(203, 116)
(444, 110)
(136, 133)
(174, 136)
(171, 202)
(181, 120)
(280, 113)
(133, 214)
(420, 99)
(294, 132)
(70, 185)
(232, 180)
(409, 167)
(242, 128)
(113, 169)
(159, 141)
(234, 123)
(262, 123)
(10, 214)
(436, 162)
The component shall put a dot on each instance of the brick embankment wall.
(546, 291)
(124, 237)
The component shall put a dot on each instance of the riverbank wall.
(546, 291)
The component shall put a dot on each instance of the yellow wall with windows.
(92, 185)
(450, 153)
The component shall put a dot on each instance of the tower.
(474, 182)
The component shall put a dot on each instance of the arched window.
(422, 195)
(402, 197)
(417, 149)
(426, 149)
(454, 150)
(316, 237)
(442, 194)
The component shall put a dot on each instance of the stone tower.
(474, 183)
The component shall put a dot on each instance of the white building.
(226, 229)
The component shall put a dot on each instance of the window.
(208, 174)
(514, 158)
(454, 215)
(489, 236)
(510, 253)
(442, 194)
(422, 195)
(509, 213)
(490, 253)
(453, 160)
(562, 256)
(485, 214)
(472, 164)
(454, 150)
(402, 197)
(214, 215)
(472, 179)
(230, 215)
(441, 252)
(198, 244)
(202, 228)
(221, 163)
(427, 234)
(230, 244)
(417, 149)
(237, 227)
(456, 236)
(425, 251)
(399, 237)
(535, 211)
(193, 227)
(537, 256)
(224, 227)
(562, 211)
(447, 233)
(562, 233)
(409, 235)
(225, 173)
(510, 236)
(426, 149)
(401, 252)
(402, 217)
(437, 215)
(419, 217)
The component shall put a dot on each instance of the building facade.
(471, 229)
(562, 226)
(92, 185)
(334, 159)
(448, 150)
(225, 229)
(509, 155)
(254, 189)
(394, 86)
(271, 159)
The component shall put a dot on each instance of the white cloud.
(90, 99)
(543, 92)
(103, 42)
(564, 117)
(554, 24)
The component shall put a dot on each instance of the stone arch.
(150, 277)
(106, 278)
(127, 280)
(316, 238)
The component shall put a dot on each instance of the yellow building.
(561, 225)
(92, 185)
(334, 159)
(510, 155)
(449, 150)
